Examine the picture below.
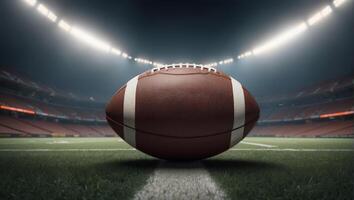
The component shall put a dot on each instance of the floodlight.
(42, 9)
(64, 25)
(280, 39)
(326, 11)
(248, 53)
(31, 2)
(104, 46)
(52, 17)
(157, 64)
(89, 39)
(227, 61)
(319, 16)
(116, 51)
(125, 55)
(211, 65)
(145, 61)
(46, 12)
(338, 3)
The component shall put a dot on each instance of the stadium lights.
(64, 25)
(211, 65)
(338, 3)
(101, 45)
(52, 17)
(116, 51)
(145, 61)
(157, 64)
(31, 2)
(226, 61)
(280, 39)
(248, 53)
(89, 39)
(319, 16)
(47, 13)
(125, 55)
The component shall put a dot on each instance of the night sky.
(199, 31)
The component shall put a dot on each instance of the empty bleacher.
(6, 131)
(21, 126)
(293, 112)
(312, 129)
(14, 126)
(59, 113)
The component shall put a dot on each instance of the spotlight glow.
(52, 16)
(338, 3)
(42, 9)
(226, 61)
(90, 39)
(280, 39)
(211, 65)
(319, 16)
(46, 12)
(64, 25)
(156, 64)
(246, 54)
(106, 47)
(125, 55)
(31, 2)
(116, 51)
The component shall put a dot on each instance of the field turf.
(107, 168)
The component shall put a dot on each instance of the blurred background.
(55, 82)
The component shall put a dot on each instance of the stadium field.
(107, 168)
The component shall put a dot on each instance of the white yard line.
(80, 141)
(180, 181)
(131, 149)
(258, 144)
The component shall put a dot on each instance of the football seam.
(218, 74)
(155, 134)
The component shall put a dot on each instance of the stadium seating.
(10, 125)
(22, 126)
(313, 129)
(6, 131)
(58, 113)
(307, 111)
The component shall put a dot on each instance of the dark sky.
(172, 31)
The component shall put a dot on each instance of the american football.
(182, 112)
(177, 99)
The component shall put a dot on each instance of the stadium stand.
(322, 110)
(21, 126)
(32, 109)
(311, 129)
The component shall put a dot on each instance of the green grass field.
(107, 168)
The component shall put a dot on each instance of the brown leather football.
(182, 112)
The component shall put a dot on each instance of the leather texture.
(182, 113)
